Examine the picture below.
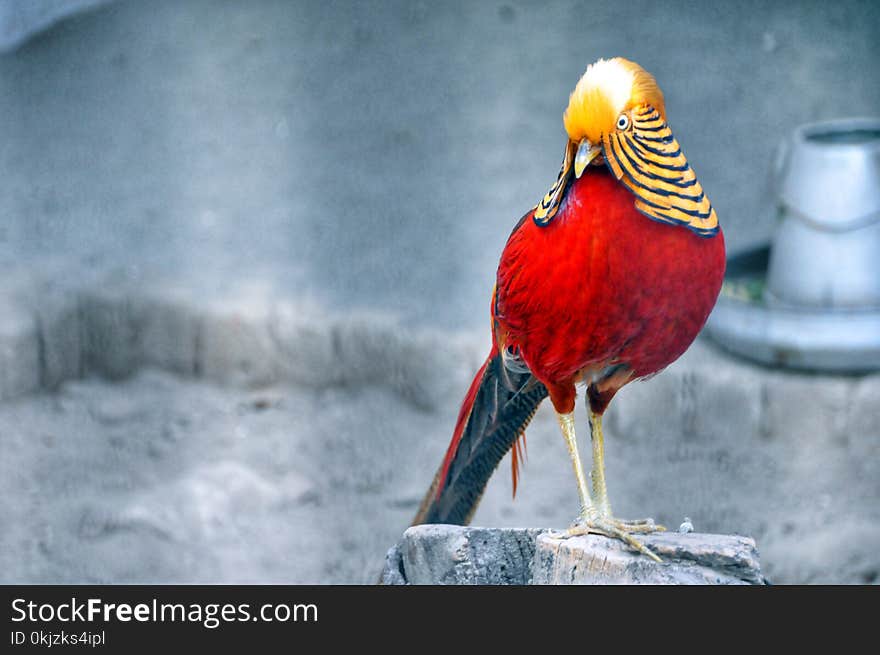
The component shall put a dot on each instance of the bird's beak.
(586, 153)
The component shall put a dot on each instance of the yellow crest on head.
(606, 89)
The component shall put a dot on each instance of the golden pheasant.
(606, 281)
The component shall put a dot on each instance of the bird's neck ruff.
(649, 162)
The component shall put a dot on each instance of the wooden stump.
(450, 554)
(687, 559)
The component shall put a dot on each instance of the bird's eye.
(623, 122)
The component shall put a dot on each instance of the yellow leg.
(600, 491)
(590, 520)
(566, 423)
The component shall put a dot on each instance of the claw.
(638, 525)
(608, 529)
(614, 529)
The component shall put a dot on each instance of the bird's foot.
(615, 529)
(637, 525)
(624, 525)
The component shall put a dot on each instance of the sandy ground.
(162, 479)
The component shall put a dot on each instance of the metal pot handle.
(780, 160)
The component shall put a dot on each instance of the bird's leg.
(600, 491)
(591, 521)
(566, 423)
(597, 475)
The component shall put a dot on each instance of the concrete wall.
(376, 154)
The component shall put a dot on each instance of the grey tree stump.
(449, 554)
(687, 559)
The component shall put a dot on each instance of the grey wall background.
(365, 163)
(377, 153)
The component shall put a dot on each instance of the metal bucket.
(811, 298)
(826, 251)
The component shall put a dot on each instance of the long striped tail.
(495, 413)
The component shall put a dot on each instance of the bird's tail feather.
(495, 413)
